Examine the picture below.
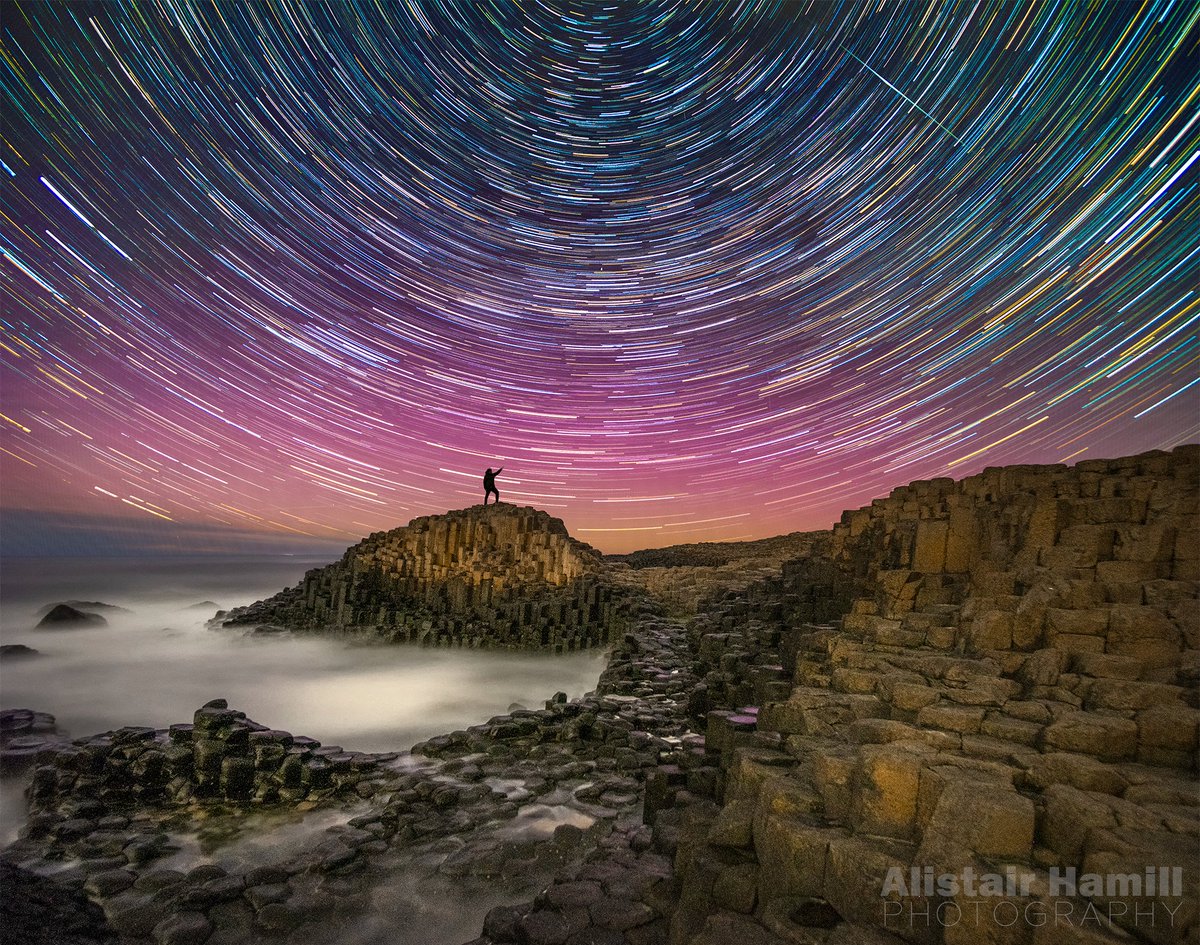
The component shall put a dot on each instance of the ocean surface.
(156, 662)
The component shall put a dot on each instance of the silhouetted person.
(489, 485)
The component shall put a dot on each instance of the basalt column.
(486, 576)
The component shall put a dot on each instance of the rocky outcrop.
(487, 576)
(967, 714)
(461, 808)
(64, 615)
(92, 606)
(1010, 690)
(221, 755)
(715, 554)
(38, 911)
(684, 577)
(17, 651)
(24, 734)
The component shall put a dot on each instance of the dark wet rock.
(237, 916)
(159, 879)
(183, 928)
(264, 875)
(264, 895)
(104, 843)
(594, 935)
(500, 924)
(135, 915)
(66, 616)
(195, 897)
(38, 911)
(279, 916)
(620, 914)
(109, 882)
(544, 928)
(74, 828)
(268, 630)
(571, 894)
(224, 888)
(146, 849)
(568, 835)
(206, 872)
(18, 752)
(14, 651)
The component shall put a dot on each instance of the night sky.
(689, 271)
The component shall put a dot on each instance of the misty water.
(157, 663)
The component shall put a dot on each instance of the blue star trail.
(687, 270)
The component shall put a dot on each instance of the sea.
(156, 660)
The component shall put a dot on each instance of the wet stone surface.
(24, 733)
(163, 829)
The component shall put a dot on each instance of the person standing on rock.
(489, 485)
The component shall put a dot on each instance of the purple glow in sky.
(688, 271)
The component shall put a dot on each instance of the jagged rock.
(222, 755)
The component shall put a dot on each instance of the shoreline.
(589, 756)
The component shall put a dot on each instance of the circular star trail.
(686, 270)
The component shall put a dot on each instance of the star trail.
(688, 271)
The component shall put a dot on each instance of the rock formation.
(94, 606)
(1012, 687)
(683, 576)
(990, 682)
(17, 651)
(38, 911)
(24, 733)
(64, 615)
(220, 756)
(486, 576)
(118, 806)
